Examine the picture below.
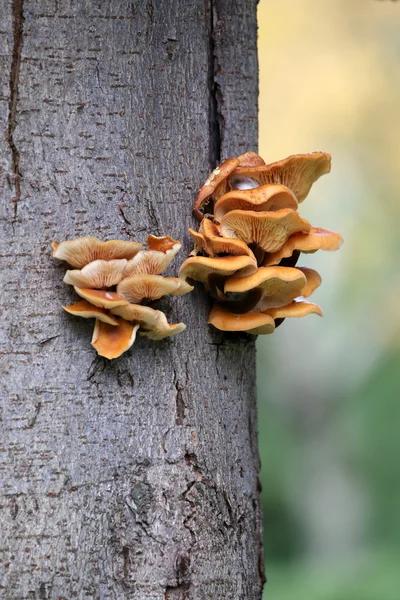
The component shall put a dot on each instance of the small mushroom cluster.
(250, 238)
(116, 279)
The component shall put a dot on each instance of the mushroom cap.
(316, 239)
(152, 261)
(83, 250)
(199, 241)
(101, 298)
(279, 285)
(251, 322)
(270, 196)
(217, 179)
(89, 311)
(297, 172)
(162, 328)
(207, 239)
(137, 312)
(112, 341)
(162, 243)
(153, 323)
(97, 274)
(295, 309)
(269, 230)
(313, 282)
(250, 159)
(184, 286)
(200, 268)
(150, 287)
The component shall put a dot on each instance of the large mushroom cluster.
(250, 238)
(116, 280)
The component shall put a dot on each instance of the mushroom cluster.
(116, 280)
(250, 238)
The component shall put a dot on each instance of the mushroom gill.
(97, 274)
(83, 250)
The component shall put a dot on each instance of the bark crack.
(214, 89)
(180, 403)
(17, 8)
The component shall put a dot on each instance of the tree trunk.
(137, 478)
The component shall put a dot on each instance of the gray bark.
(137, 478)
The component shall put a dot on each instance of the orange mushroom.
(295, 309)
(112, 341)
(144, 315)
(162, 244)
(97, 274)
(216, 185)
(144, 288)
(268, 230)
(102, 298)
(251, 322)
(161, 329)
(83, 250)
(316, 239)
(297, 172)
(200, 268)
(266, 197)
(250, 159)
(153, 261)
(313, 282)
(209, 240)
(88, 311)
(278, 285)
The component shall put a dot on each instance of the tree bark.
(137, 478)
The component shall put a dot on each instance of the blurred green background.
(329, 400)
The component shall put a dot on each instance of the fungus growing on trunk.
(97, 274)
(114, 277)
(265, 197)
(88, 311)
(111, 341)
(269, 230)
(83, 250)
(253, 216)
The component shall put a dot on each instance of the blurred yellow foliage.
(330, 81)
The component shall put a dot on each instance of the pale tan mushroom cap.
(313, 282)
(97, 274)
(266, 197)
(297, 172)
(150, 287)
(200, 267)
(89, 311)
(151, 262)
(269, 230)
(153, 323)
(83, 250)
(208, 240)
(250, 159)
(199, 242)
(162, 328)
(102, 298)
(112, 341)
(279, 285)
(215, 185)
(137, 312)
(316, 239)
(183, 288)
(252, 322)
(295, 310)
